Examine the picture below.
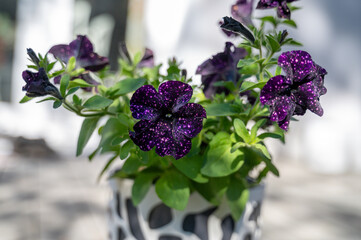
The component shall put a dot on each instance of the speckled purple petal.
(283, 11)
(282, 106)
(273, 88)
(284, 123)
(265, 4)
(62, 51)
(319, 79)
(189, 121)
(242, 11)
(167, 145)
(143, 135)
(175, 94)
(297, 65)
(146, 103)
(147, 60)
(308, 95)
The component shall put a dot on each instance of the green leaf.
(132, 164)
(257, 126)
(64, 82)
(78, 83)
(278, 71)
(72, 90)
(214, 189)
(269, 135)
(50, 66)
(47, 99)
(137, 58)
(77, 72)
(97, 102)
(292, 42)
(251, 69)
(227, 84)
(245, 62)
(86, 130)
(25, 99)
(221, 109)
(57, 104)
(241, 130)
(269, 19)
(246, 85)
(271, 167)
(76, 100)
(141, 185)
(263, 149)
(125, 86)
(113, 128)
(237, 146)
(124, 151)
(110, 161)
(237, 197)
(219, 160)
(191, 167)
(290, 23)
(273, 43)
(173, 189)
(71, 64)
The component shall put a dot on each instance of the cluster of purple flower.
(167, 121)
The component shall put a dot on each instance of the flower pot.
(153, 220)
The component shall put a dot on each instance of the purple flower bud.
(37, 84)
(296, 92)
(282, 9)
(167, 120)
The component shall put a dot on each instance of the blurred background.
(47, 193)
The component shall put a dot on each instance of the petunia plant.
(181, 136)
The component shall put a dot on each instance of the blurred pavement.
(60, 200)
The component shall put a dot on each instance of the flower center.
(168, 115)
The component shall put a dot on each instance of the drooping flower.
(282, 9)
(167, 121)
(242, 11)
(220, 67)
(37, 84)
(82, 49)
(296, 92)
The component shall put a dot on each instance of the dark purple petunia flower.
(296, 92)
(221, 67)
(82, 49)
(168, 121)
(282, 9)
(242, 11)
(37, 84)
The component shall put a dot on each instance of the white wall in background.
(40, 25)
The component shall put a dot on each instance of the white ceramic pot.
(152, 220)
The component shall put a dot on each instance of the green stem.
(68, 106)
